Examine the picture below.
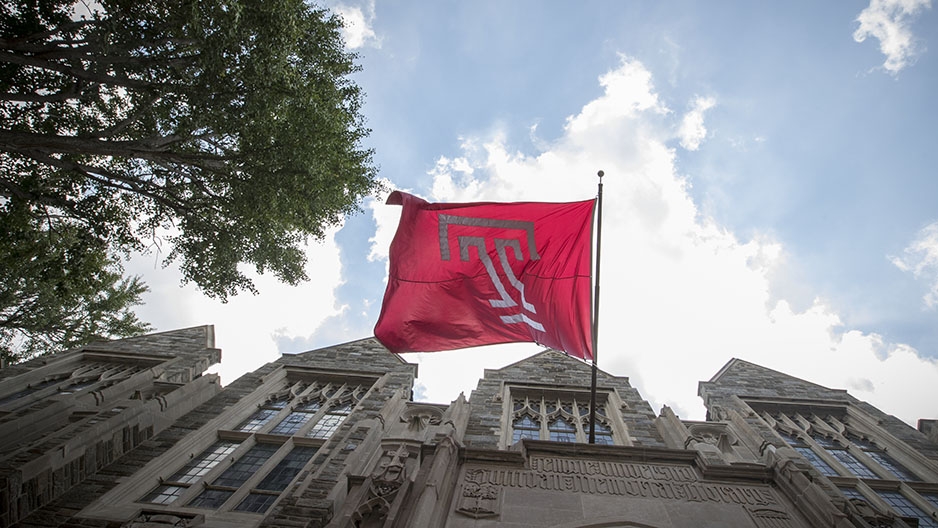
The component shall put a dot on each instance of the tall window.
(264, 414)
(274, 443)
(313, 411)
(882, 458)
(195, 469)
(87, 375)
(800, 446)
(839, 451)
(525, 426)
(222, 488)
(904, 507)
(331, 420)
(267, 490)
(557, 419)
(837, 438)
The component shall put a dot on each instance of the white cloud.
(692, 130)
(920, 258)
(245, 326)
(888, 21)
(681, 295)
(359, 25)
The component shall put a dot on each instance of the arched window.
(525, 427)
(561, 431)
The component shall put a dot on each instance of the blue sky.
(770, 189)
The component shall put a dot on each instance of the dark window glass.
(200, 465)
(246, 466)
(851, 463)
(289, 467)
(29, 390)
(310, 406)
(211, 498)
(852, 493)
(525, 427)
(292, 423)
(79, 386)
(893, 466)
(256, 502)
(906, 508)
(816, 461)
(823, 441)
(931, 497)
(164, 494)
(330, 422)
(257, 420)
(602, 434)
(561, 431)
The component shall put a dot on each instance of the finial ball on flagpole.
(600, 174)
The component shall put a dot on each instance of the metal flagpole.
(599, 238)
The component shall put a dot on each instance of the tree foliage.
(60, 289)
(228, 128)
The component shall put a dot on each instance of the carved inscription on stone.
(619, 479)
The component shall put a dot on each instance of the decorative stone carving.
(714, 438)
(869, 513)
(418, 417)
(391, 471)
(478, 499)
(769, 517)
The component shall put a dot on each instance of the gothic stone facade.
(131, 433)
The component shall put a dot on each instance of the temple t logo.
(480, 241)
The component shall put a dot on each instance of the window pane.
(826, 442)
(311, 406)
(905, 508)
(256, 502)
(326, 426)
(603, 439)
(246, 466)
(561, 431)
(211, 498)
(164, 494)
(257, 420)
(200, 465)
(855, 466)
(289, 467)
(603, 434)
(525, 427)
(816, 461)
(292, 423)
(852, 493)
(894, 467)
(931, 497)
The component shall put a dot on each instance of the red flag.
(472, 274)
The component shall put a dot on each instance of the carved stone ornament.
(770, 517)
(152, 519)
(870, 514)
(478, 499)
(418, 417)
(717, 435)
(391, 472)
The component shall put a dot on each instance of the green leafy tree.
(229, 128)
(60, 289)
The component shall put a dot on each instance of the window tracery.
(557, 419)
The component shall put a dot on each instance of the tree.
(60, 289)
(228, 128)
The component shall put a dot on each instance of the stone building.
(130, 433)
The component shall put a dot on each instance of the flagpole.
(599, 238)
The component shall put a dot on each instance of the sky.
(769, 189)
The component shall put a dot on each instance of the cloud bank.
(920, 258)
(889, 22)
(681, 295)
